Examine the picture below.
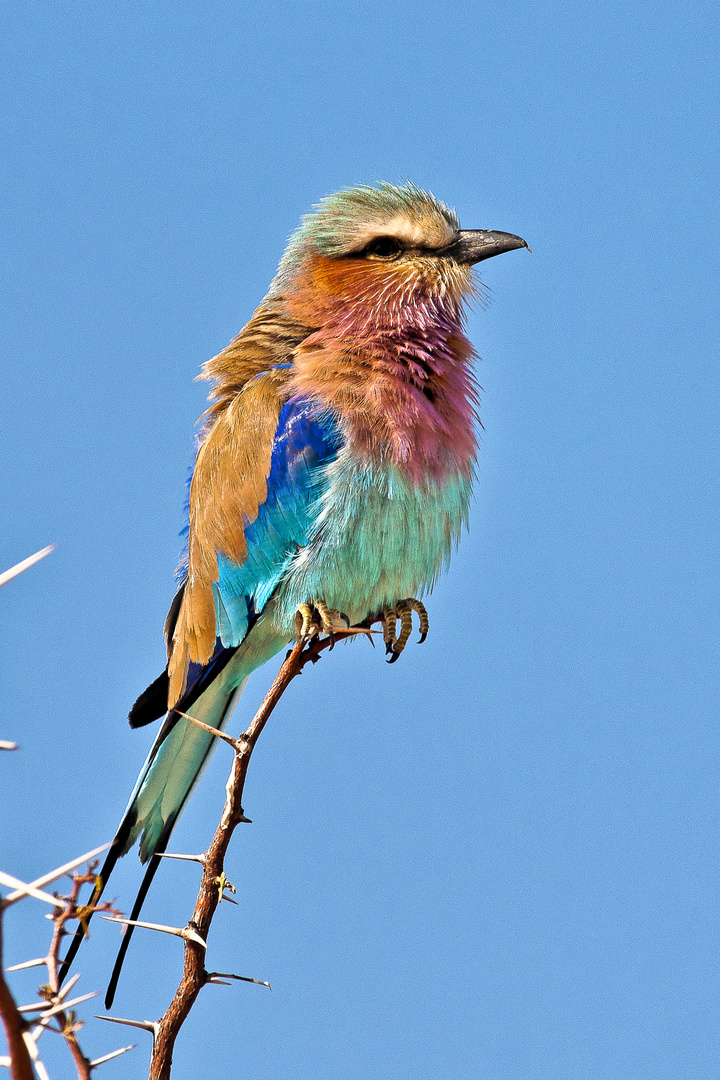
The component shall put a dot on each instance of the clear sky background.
(497, 858)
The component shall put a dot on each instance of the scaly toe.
(332, 620)
(307, 624)
(405, 612)
(402, 611)
(317, 618)
(423, 616)
(389, 625)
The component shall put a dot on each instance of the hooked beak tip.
(475, 245)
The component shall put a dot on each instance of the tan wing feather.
(269, 338)
(228, 487)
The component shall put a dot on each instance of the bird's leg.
(317, 618)
(402, 610)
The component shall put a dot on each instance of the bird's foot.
(402, 611)
(317, 618)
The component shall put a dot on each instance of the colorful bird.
(333, 473)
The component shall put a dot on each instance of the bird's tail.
(174, 765)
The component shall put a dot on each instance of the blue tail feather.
(174, 765)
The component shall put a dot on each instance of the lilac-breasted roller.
(333, 474)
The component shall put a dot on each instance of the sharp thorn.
(189, 858)
(59, 1007)
(28, 964)
(33, 1052)
(54, 874)
(108, 1057)
(62, 994)
(22, 890)
(38, 1006)
(423, 637)
(192, 935)
(63, 1005)
(8, 575)
(240, 978)
(187, 933)
(211, 730)
(144, 1025)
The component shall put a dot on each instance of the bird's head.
(380, 257)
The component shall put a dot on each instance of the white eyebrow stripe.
(407, 231)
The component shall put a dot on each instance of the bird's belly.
(379, 537)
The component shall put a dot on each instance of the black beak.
(473, 245)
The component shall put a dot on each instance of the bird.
(332, 478)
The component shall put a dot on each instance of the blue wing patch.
(306, 441)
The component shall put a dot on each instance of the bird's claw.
(402, 611)
(317, 618)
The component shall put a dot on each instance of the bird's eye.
(383, 247)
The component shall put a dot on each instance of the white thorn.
(186, 932)
(108, 1057)
(211, 730)
(215, 975)
(63, 1005)
(144, 1025)
(189, 858)
(58, 872)
(8, 575)
(21, 890)
(28, 964)
(192, 935)
(62, 994)
(60, 1007)
(5, 744)
(38, 1030)
(33, 1052)
(5, 1063)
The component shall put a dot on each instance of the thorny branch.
(21, 1035)
(195, 975)
(16, 1029)
(67, 1023)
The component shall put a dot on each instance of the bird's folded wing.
(253, 496)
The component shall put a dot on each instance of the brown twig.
(16, 1028)
(21, 1035)
(195, 975)
(68, 1024)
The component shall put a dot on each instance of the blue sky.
(497, 858)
